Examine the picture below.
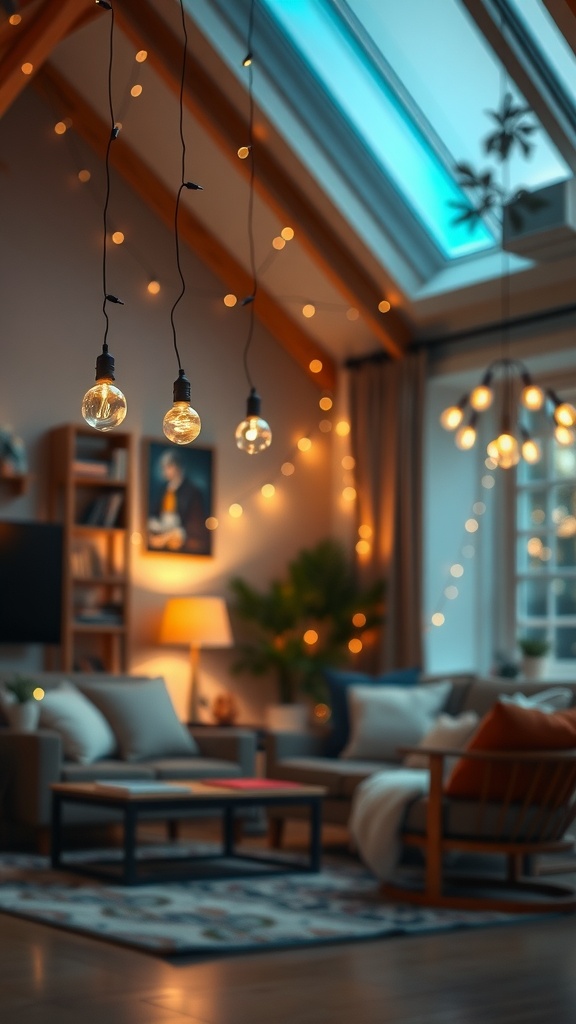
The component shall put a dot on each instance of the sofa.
(105, 728)
(406, 710)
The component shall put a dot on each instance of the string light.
(104, 406)
(253, 434)
(181, 424)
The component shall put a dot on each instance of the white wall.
(52, 329)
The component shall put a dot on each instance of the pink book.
(250, 783)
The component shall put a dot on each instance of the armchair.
(525, 803)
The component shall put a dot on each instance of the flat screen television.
(30, 583)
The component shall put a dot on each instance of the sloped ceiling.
(327, 264)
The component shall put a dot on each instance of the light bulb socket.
(253, 403)
(182, 388)
(105, 365)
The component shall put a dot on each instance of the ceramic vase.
(534, 667)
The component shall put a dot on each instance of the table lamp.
(196, 622)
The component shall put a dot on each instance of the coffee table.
(181, 796)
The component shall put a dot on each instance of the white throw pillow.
(387, 717)
(555, 698)
(86, 735)
(450, 732)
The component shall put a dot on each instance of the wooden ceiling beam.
(564, 14)
(208, 104)
(34, 40)
(205, 245)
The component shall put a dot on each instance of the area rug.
(207, 917)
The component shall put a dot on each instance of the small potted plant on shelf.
(534, 660)
(21, 702)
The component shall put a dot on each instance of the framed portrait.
(179, 498)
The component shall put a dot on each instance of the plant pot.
(287, 717)
(23, 717)
(534, 666)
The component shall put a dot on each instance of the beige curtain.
(386, 416)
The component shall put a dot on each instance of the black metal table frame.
(133, 809)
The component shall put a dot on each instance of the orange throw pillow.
(509, 727)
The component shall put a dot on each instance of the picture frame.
(179, 496)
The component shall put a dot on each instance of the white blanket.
(378, 808)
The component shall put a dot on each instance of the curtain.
(386, 418)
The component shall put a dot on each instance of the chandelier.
(517, 392)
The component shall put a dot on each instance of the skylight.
(415, 80)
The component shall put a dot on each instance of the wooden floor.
(523, 974)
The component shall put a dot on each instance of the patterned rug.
(207, 916)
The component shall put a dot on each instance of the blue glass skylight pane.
(549, 39)
(379, 118)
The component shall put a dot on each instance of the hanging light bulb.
(181, 423)
(481, 396)
(466, 435)
(253, 434)
(452, 416)
(104, 406)
(504, 450)
(531, 450)
(532, 397)
(564, 435)
(565, 414)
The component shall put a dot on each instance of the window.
(546, 546)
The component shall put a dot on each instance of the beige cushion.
(86, 735)
(143, 719)
(450, 732)
(388, 717)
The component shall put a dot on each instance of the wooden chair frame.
(536, 824)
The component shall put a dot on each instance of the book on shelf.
(112, 508)
(85, 561)
(109, 615)
(92, 468)
(118, 464)
(104, 510)
(139, 787)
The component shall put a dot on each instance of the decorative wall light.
(253, 434)
(181, 423)
(518, 391)
(104, 406)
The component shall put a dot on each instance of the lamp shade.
(196, 622)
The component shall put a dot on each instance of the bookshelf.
(90, 493)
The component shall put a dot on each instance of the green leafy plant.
(320, 594)
(533, 647)
(21, 687)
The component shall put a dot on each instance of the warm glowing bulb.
(268, 490)
(365, 531)
(504, 451)
(287, 233)
(531, 451)
(310, 637)
(437, 619)
(308, 310)
(15, 19)
(84, 175)
(211, 523)
(38, 693)
(104, 405)
(342, 428)
(349, 494)
(465, 438)
(359, 620)
(304, 444)
(315, 366)
(564, 435)
(136, 90)
(141, 56)
(565, 415)
(363, 547)
(287, 468)
(118, 237)
(325, 403)
(452, 417)
(348, 462)
(355, 645)
(278, 242)
(181, 423)
(532, 397)
(243, 152)
(60, 128)
(154, 287)
(384, 306)
(481, 398)
(27, 68)
(230, 300)
(253, 435)
(235, 511)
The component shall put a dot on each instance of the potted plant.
(303, 623)
(534, 660)
(22, 702)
